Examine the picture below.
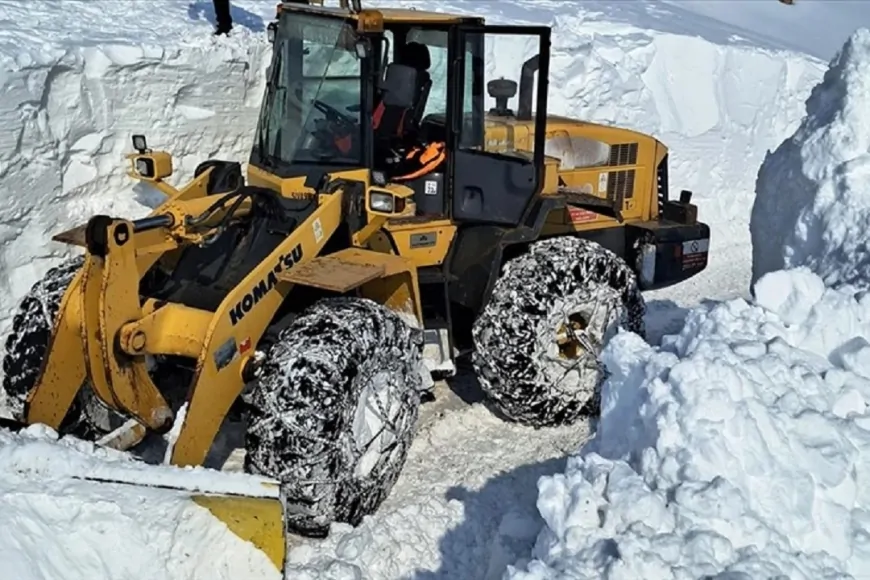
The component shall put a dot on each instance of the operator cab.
(347, 90)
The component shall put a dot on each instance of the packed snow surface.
(76, 89)
(812, 205)
(739, 448)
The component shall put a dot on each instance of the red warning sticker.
(579, 215)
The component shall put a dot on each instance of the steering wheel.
(333, 115)
(334, 124)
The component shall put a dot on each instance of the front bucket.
(250, 506)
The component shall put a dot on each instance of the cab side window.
(436, 41)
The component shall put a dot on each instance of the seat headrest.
(416, 55)
(399, 85)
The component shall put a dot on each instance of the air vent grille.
(620, 185)
(623, 154)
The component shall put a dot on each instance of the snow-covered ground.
(747, 398)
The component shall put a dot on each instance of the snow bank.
(55, 526)
(812, 205)
(75, 90)
(740, 448)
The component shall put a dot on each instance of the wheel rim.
(569, 339)
(580, 331)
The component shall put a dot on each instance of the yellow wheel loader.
(396, 212)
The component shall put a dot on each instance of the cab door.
(495, 180)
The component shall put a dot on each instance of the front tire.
(538, 340)
(335, 411)
(27, 346)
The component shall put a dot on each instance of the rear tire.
(558, 283)
(306, 426)
(27, 346)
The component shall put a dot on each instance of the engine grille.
(620, 185)
(623, 154)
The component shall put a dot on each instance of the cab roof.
(390, 15)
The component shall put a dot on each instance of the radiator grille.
(620, 185)
(623, 154)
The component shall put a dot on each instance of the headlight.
(145, 167)
(139, 143)
(382, 202)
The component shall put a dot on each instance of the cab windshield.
(310, 111)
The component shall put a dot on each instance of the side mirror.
(387, 202)
(146, 164)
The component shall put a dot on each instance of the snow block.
(71, 103)
(739, 448)
(812, 205)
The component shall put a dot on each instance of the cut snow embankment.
(72, 98)
(812, 206)
(71, 103)
(740, 448)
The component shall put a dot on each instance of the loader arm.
(66, 366)
(104, 330)
(237, 326)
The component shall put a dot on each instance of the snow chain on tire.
(27, 346)
(516, 356)
(342, 357)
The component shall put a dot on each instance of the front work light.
(145, 167)
(140, 144)
(388, 201)
(146, 164)
(381, 202)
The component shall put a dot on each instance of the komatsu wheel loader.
(388, 221)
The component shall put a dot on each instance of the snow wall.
(66, 118)
(70, 106)
(812, 206)
(740, 447)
